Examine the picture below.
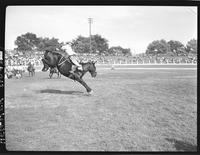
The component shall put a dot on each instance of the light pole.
(90, 20)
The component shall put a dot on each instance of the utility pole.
(90, 20)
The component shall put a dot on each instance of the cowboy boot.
(73, 69)
(80, 68)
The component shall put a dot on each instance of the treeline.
(99, 45)
(171, 48)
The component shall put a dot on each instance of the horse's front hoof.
(90, 93)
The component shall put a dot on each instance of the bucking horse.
(64, 65)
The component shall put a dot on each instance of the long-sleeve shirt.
(68, 49)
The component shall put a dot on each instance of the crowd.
(19, 59)
(139, 59)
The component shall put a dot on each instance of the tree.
(191, 46)
(49, 44)
(127, 52)
(28, 41)
(119, 51)
(82, 44)
(99, 44)
(158, 47)
(41, 44)
(176, 47)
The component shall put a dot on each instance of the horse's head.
(45, 67)
(90, 66)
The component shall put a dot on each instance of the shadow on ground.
(182, 146)
(54, 77)
(53, 91)
(28, 76)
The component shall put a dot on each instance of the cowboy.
(73, 57)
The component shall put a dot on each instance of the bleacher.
(141, 60)
(18, 59)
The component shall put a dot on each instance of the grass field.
(130, 110)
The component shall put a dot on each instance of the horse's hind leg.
(77, 78)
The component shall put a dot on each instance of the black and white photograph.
(100, 78)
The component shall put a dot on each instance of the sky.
(131, 27)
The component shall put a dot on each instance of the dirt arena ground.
(130, 110)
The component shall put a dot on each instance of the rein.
(61, 62)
